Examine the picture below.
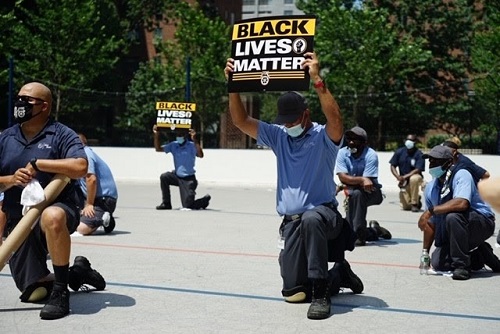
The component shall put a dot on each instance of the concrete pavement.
(216, 271)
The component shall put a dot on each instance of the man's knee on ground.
(85, 229)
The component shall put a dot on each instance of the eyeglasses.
(29, 99)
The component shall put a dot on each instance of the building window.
(248, 2)
(264, 2)
(287, 2)
(288, 12)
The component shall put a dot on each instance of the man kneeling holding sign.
(312, 231)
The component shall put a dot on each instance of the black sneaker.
(348, 279)
(320, 303)
(476, 260)
(205, 200)
(81, 273)
(57, 307)
(490, 259)
(460, 274)
(109, 224)
(164, 206)
(381, 232)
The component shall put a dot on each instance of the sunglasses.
(29, 99)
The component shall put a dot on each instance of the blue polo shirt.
(106, 185)
(365, 165)
(55, 141)
(184, 157)
(305, 167)
(407, 160)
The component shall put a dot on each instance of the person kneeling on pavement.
(457, 220)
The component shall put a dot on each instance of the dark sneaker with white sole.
(81, 274)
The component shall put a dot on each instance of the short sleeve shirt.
(463, 186)
(55, 141)
(106, 185)
(184, 157)
(365, 165)
(406, 161)
(305, 167)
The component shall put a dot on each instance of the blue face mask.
(436, 172)
(180, 140)
(295, 130)
(409, 144)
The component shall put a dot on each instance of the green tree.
(202, 40)
(485, 50)
(369, 67)
(447, 31)
(65, 44)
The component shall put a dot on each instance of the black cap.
(439, 152)
(357, 132)
(290, 106)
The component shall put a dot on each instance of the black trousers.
(465, 231)
(358, 203)
(306, 245)
(187, 187)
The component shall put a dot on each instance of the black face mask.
(23, 110)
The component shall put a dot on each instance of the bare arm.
(329, 105)
(156, 136)
(199, 150)
(74, 168)
(357, 181)
(239, 115)
(71, 167)
(91, 182)
(453, 205)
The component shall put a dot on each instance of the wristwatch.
(33, 163)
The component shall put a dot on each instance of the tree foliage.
(369, 67)
(66, 43)
(201, 41)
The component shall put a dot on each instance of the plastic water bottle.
(425, 262)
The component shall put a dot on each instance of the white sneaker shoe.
(106, 218)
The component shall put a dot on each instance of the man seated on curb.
(101, 194)
(456, 219)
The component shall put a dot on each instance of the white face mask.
(409, 144)
(180, 140)
(295, 130)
